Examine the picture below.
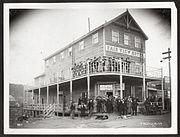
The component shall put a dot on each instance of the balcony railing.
(106, 65)
(153, 72)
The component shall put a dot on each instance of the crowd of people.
(152, 104)
(127, 105)
(100, 64)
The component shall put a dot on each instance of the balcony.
(153, 72)
(106, 65)
(103, 65)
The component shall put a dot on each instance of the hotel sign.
(106, 87)
(123, 51)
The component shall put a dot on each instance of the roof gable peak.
(126, 20)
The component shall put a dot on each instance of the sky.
(39, 33)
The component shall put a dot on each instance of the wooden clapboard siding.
(90, 50)
(59, 66)
(94, 50)
(122, 30)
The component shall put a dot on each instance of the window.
(62, 74)
(137, 42)
(115, 36)
(81, 45)
(70, 51)
(95, 38)
(54, 77)
(126, 39)
(54, 59)
(62, 55)
(47, 63)
(138, 68)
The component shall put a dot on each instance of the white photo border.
(69, 131)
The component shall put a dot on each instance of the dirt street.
(114, 121)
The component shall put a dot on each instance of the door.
(109, 94)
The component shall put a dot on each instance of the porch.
(88, 74)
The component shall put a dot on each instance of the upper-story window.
(126, 39)
(81, 45)
(54, 59)
(47, 63)
(62, 74)
(115, 36)
(137, 42)
(95, 38)
(70, 51)
(62, 55)
(54, 77)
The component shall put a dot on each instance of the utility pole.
(162, 85)
(89, 24)
(169, 58)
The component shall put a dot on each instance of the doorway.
(60, 99)
(109, 94)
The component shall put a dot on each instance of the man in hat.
(73, 107)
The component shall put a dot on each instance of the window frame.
(95, 38)
(47, 63)
(126, 39)
(116, 35)
(54, 59)
(81, 45)
(137, 43)
(70, 51)
(62, 55)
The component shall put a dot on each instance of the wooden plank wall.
(122, 30)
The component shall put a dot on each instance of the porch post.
(162, 88)
(95, 90)
(147, 92)
(71, 98)
(120, 79)
(32, 96)
(39, 96)
(57, 94)
(144, 84)
(26, 96)
(88, 80)
(47, 94)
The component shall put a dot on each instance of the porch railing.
(153, 72)
(106, 65)
(49, 110)
(112, 65)
(35, 106)
(44, 107)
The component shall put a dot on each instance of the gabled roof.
(124, 14)
(96, 29)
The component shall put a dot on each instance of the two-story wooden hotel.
(109, 60)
